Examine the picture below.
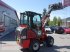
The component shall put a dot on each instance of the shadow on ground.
(9, 37)
(50, 49)
(2, 42)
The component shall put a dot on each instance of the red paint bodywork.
(31, 35)
(44, 36)
(67, 30)
(26, 43)
(23, 25)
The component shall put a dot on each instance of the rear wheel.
(49, 41)
(34, 46)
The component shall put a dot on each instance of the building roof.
(9, 7)
(68, 18)
(5, 5)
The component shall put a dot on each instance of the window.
(1, 17)
(24, 19)
(36, 20)
(13, 22)
(7, 20)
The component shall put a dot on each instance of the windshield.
(37, 20)
(31, 20)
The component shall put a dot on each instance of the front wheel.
(34, 46)
(49, 41)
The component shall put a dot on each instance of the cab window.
(36, 20)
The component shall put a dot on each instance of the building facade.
(66, 22)
(8, 17)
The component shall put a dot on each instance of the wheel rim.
(51, 42)
(36, 46)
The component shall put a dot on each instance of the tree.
(44, 11)
(51, 23)
(48, 21)
(59, 21)
(55, 21)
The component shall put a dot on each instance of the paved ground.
(8, 43)
(61, 44)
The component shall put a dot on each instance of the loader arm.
(52, 7)
(45, 18)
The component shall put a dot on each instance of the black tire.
(24, 50)
(49, 41)
(34, 46)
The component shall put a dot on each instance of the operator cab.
(31, 19)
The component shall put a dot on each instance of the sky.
(37, 6)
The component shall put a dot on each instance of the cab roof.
(30, 13)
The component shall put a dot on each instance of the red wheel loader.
(31, 32)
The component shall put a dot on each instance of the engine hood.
(21, 27)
